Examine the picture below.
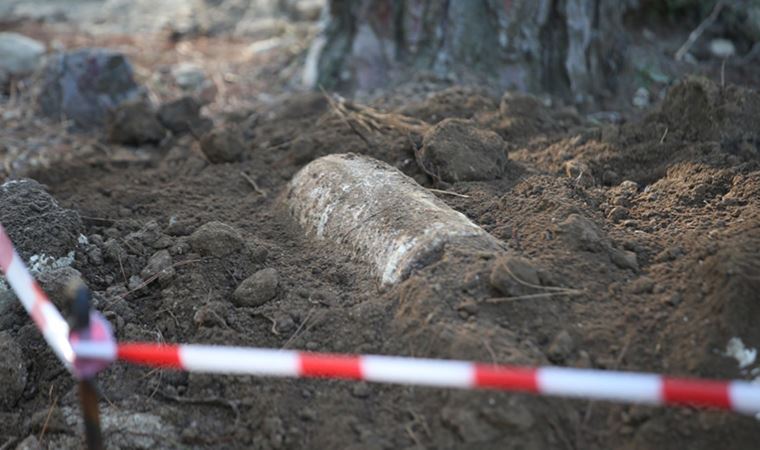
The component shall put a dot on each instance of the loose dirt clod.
(35, 222)
(183, 115)
(514, 276)
(223, 145)
(13, 374)
(458, 150)
(216, 239)
(257, 289)
(134, 123)
(379, 215)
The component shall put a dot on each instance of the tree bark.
(568, 48)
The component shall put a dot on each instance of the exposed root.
(361, 117)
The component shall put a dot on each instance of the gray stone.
(561, 347)
(257, 289)
(19, 55)
(641, 99)
(134, 123)
(13, 372)
(85, 85)
(188, 76)
(457, 150)
(216, 239)
(722, 48)
(159, 263)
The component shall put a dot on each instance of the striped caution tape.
(739, 396)
(94, 349)
(54, 328)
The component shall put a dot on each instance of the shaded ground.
(655, 221)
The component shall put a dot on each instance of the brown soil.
(679, 189)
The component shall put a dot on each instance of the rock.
(625, 259)
(561, 347)
(457, 150)
(641, 98)
(13, 373)
(19, 56)
(223, 145)
(160, 263)
(212, 314)
(511, 275)
(360, 389)
(581, 233)
(284, 323)
(54, 283)
(216, 239)
(84, 85)
(642, 285)
(722, 48)
(114, 252)
(183, 115)
(135, 283)
(188, 76)
(35, 222)
(257, 289)
(134, 123)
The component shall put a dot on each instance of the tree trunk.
(568, 48)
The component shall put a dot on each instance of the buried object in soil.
(380, 216)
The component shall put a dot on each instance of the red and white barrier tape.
(94, 349)
(739, 396)
(49, 321)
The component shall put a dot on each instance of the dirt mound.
(35, 222)
(698, 122)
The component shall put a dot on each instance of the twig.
(532, 296)
(49, 414)
(341, 113)
(121, 266)
(253, 184)
(295, 333)
(455, 194)
(694, 35)
(664, 135)
(723, 74)
(538, 286)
